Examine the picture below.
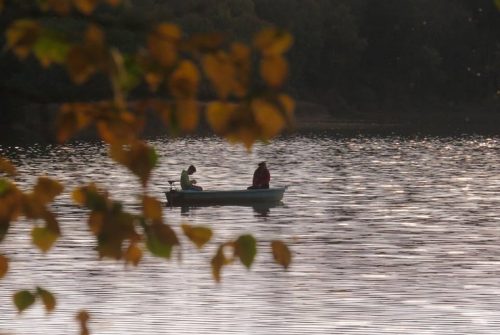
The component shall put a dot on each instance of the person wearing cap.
(186, 183)
(261, 177)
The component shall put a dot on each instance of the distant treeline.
(348, 54)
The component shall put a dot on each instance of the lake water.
(389, 235)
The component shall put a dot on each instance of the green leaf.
(245, 249)
(43, 238)
(160, 240)
(50, 48)
(47, 298)
(4, 186)
(23, 300)
(497, 2)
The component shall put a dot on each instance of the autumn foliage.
(250, 106)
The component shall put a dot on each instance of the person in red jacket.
(261, 177)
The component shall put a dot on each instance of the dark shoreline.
(310, 118)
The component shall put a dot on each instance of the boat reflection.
(260, 209)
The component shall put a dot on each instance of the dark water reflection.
(389, 236)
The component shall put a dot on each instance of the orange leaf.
(268, 117)
(198, 235)
(83, 317)
(153, 79)
(96, 222)
(47, 298)
(7, 167)
(85, 6)
(273, 41)
(162, 43)
(61, 7)
(152, 208)
(21, 37)
(183, 83)
(4, 265)
(94, 36)
(221, 72)
(79, 66)
(113, 3)
(281, 253)
(133, 254)
(187, 113)
(47, 189)
(219, 115)
(274, 70)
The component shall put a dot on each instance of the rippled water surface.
(389, 236)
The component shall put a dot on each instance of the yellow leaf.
(7, 167)
(43, 238)
(138, 157)
(79, 196)
(47, 189)
(273, 41)
(268, 118)
(162, 43)
(187, 114)
(133, 254)
(21, 37)
(274, 70)
(183, 83)
(281, 253)
(219, 115)
(152, 208)
(221, 72)
(497, 2)
(4, 265)
(47, 298)
(198, 235)
(85, 6)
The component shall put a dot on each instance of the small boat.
(225, 197)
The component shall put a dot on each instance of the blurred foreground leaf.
(47, 298)
(4, 265)
(198, 235)
(23, 299)
(246, 249)
(281, 253)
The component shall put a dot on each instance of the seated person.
(261, 177)
(187, 184)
